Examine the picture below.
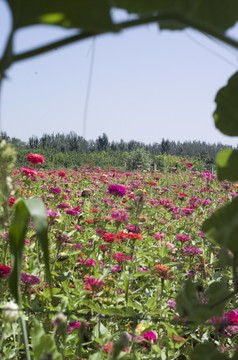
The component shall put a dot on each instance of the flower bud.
(10, 312)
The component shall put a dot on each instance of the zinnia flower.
(4, 270)
(117, 190)
(190, 250)
(120, 216)
(35, 158)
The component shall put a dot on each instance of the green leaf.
(226, 113)
(37, 211)
(90, 15)
(207, 351)
(189, 304)
(43, 344)
(113, 311)
(17, 234)
(227, 165)
(214, 13)
(222, 226)
(119, 345)
(214, 294)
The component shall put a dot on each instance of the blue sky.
(146, 85)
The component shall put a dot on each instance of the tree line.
(69, 150)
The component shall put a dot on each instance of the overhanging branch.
(164, 16)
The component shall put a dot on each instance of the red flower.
(35, 158)
(11, 201)
(4, 270)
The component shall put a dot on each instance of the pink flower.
(94, 282)
(189, 165)
(147, 339)
(120, 216)
(35, 158)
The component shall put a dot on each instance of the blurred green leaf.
(119, 345)
(226, 113)
(43, 344)
(90, 15)
(17, 234)
(189, 304)
(215, 13)
(222, 226)
(207, 351)
(227, 165)
(37, 212)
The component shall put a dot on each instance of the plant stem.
(25, 339)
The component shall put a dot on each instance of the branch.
(163, 16)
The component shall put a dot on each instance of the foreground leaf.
(90, 15)
(43, 344)
(189, 304)
(227, 165)
(207, 351)
(17, 234)
(226, 113)
(222, 226)
(213, 12)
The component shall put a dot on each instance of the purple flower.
(117, 268)
(183, 238)
(72, 212)
(53, 213)
(117, 190)
(63, 206)
(30, 279)
(55, 190)
(189, 165)
(190, 250)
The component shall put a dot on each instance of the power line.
(210, 50)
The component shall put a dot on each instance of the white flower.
(10, 311)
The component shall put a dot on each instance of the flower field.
(121, 247)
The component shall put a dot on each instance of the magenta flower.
(30, 279)
(94, 282)
(119, 215)
(55, 190)
(63, 206)
(189, 165)
(117, 190)
(183, 238)
(147, 339)
(190, 250)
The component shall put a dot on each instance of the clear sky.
(146, 85)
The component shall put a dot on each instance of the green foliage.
(43, 344)
(222, 226)
(24, 209)
(207, 351)
(189, 303)
(139, 158)
(7, 163)
(213, 13)
(226, 113)
(93, 15)
(227, 165)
